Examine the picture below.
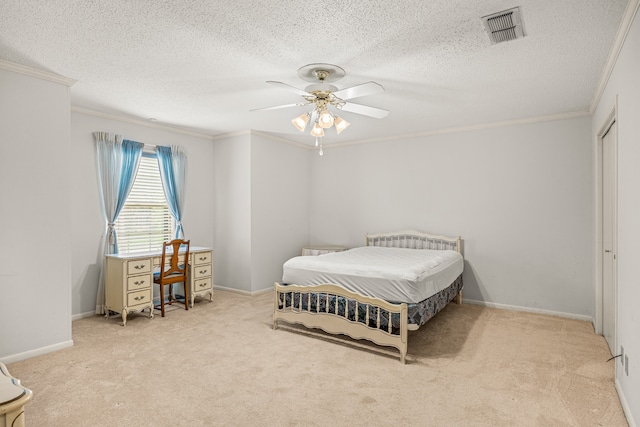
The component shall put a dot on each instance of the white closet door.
(609, 285)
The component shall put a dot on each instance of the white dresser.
(13, 397)
(129, 280)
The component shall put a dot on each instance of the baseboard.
(262, 291)
(84, 315)
(36, 352)
(530, 310)
(240, 291)
(625, 405)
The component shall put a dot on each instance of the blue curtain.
(117, 164)
(172, 162)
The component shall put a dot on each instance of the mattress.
(392, 274)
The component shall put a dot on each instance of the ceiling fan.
(323, 96)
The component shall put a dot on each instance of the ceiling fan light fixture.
(321, 95)
(325, 120)
(317, 130)
(340, 123)
(300, 123)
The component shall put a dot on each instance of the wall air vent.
(504, 26)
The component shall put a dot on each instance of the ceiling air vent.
(504, 26)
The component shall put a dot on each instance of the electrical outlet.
(626, 364)
(622, 355)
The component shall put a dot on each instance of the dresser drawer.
(140, 297)
(138, 282)
(139, 266)
(200, 271)
(202, 258)
(202, 284)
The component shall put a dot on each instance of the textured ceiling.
(202, 64)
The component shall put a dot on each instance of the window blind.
(145, 221)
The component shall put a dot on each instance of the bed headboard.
(414, 240)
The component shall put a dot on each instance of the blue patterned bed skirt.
(418, 313)
(421, 312)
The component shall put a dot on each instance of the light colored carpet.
(221, 364)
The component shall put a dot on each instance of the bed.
(379, 292)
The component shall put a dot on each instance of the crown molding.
(139, 122)
(142, 122)
(231, 134)
(282, 139)
(491, 125)
(40, 74)
(623, 30)
(482, 126)
(264, 135)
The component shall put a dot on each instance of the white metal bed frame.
(333, 323)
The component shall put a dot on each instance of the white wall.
(521, 197)
(35, 266)
(232, 168)
(88, 226)
(624, 83)
(262, 209)
(279, 207)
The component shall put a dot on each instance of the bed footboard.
(338, 311)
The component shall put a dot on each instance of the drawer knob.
(139, 282)
(138, 267)
(139, 298)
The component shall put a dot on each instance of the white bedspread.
(391, 274)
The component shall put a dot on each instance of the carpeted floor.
(221, 364)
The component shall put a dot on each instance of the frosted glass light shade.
(341, 124)
(301, 122)
(325, 120)
(317, 130)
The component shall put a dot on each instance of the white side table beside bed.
(13, 397)
(321, 250)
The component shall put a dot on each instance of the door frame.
(610, 119)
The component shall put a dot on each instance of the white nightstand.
(319, 250)
(13, 397)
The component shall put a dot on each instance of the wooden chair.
(174, 266)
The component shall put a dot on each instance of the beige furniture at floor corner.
(13, 397)
(320, 250)
(129, 281)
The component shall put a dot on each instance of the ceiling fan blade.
(289, 88)
(369, 88)
(365, 110)
(277, 107)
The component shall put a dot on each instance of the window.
(145, 220)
